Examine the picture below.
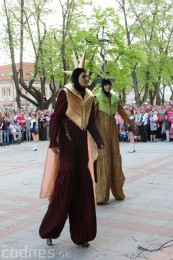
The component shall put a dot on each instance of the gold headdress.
(81, 64)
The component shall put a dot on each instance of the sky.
(53, 20)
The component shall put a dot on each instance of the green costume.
(109, 164)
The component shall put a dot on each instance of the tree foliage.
(138, 54)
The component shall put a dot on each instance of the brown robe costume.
(73, 194)
(109, 163)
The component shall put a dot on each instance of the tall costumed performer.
(68, 183)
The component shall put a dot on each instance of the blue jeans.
(6, 136)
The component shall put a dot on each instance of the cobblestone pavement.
(144, 218)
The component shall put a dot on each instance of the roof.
(6, 71)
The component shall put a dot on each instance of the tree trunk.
(133, 73)
(157, 91)
(14, 69)
(146, 87)
(163, 95)
(171, 89)
(152, 96)
(135, 85)
(122, 97)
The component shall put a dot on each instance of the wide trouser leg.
(117, 179)
(73, 192)
(103, 171)
(82, 214)
(55, 218)
(117, 176)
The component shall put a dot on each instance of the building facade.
(8, 90)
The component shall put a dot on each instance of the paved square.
(144, 218)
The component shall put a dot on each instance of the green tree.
(152, 29)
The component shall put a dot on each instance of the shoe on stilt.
(86, 244)
(49, 241)
(101, 203)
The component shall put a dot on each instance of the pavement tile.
(144, 218)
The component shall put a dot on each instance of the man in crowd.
(16, 131)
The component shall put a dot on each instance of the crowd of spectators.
(15, 125)
(153, 123)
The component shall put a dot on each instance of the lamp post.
(103, 41)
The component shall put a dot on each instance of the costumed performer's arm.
(92, 128)
(56, 118)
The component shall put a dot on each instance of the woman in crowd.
(1, 130)
(34, 130)
(153, 126)
(6, 124)
(27, 127)
(130, 131)
(167, 124)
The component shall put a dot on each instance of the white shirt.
(145, 119)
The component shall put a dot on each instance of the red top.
(21, 120)
(169, 113)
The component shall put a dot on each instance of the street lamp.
(103, 41)
(27, 106)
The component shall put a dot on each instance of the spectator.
(6, 124)
(1, 130)
(48, 116)
(20, 118)
(42, 127)
(34, 130)
(15, 131)
(130, 131)
(143, 124)
(169, 113)
(27, 127)
(123, 134)
(153, 126)
(167, 124)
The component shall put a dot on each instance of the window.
(9, 92)
(3, 92)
